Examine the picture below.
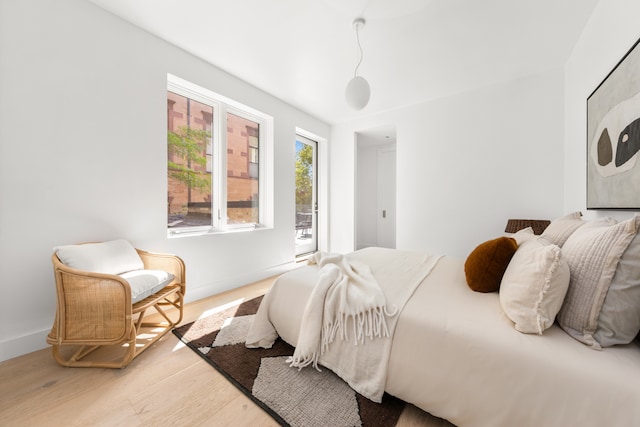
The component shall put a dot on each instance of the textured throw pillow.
(561, 228)
(619, 319)
(534, 286)
(113, 257)
(592, 252)
(486, 264)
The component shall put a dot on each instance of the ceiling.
(304, 51)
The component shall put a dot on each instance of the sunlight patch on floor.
(220, 308)
(180, 345)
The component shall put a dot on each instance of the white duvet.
(366, 291)
(456, 355)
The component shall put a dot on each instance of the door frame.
(380, 136)
(310, 246)
(322, 187)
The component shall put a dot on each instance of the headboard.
(538, 225)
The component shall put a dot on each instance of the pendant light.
(358, 91)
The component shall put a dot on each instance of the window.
(218, 159)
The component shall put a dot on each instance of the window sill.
(171, 234)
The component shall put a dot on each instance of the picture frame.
(613, 137)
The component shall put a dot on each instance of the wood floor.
(168, 385)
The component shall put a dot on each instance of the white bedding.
(391, 277)
(456, 355)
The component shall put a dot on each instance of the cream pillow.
(534, 286)
(523, 235)
(592, 252)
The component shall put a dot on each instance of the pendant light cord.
(361, 56)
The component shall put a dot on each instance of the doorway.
(376, 188)
(306, 195)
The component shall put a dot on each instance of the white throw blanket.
(346, 293)
(362, 366)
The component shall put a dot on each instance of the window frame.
(221, 107)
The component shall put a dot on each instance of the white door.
(386, 188)
(306, 200)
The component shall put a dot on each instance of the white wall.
(610, 33)
(465, 165)
(83, 157)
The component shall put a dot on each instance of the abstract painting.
(613, 137)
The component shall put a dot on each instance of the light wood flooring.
(167, 385)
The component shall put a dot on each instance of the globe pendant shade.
(357, 93)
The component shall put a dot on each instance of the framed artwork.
(613, 137)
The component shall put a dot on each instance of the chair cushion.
(146, 282)
(112, 257)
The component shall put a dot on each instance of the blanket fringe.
(370, 324)
(302, 362)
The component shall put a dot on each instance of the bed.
(456, 354)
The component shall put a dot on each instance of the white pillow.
(113, 257)
(523, 235)
(534, 286)
(592, 252)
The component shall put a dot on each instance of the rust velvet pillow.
(487, 263)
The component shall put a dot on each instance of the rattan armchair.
(95, 311)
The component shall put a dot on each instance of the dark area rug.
(292, 397)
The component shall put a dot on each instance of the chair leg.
(170, 323)
(139, 323)
(177, 303)
(136, 342)
(77, 359)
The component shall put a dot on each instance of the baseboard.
(20, 346)
(35, 341)
(363, 245)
